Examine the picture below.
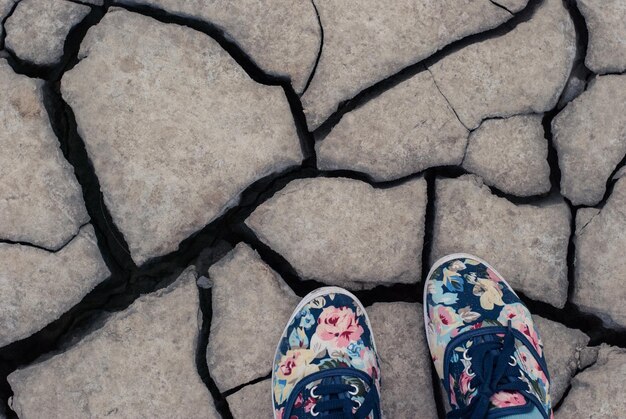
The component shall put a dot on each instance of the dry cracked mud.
(175, 175)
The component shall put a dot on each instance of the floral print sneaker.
(326, 365)
(485, 347)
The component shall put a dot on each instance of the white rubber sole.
(440, 262)
(305, 300)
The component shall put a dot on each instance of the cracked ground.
(174, 175)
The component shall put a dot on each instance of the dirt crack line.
(393, 80)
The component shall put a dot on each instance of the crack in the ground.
(4, 32)
(495, 3)
(393, 80)
(216, 33)
(446, 99)
(557, 406)
(70, 51)
(219, 400)
(45, 249)
(244, 61)
(319, 52)
(128, 281)
(257, 380)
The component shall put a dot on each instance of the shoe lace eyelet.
(313, 412)
(315, 396)
(358, 403)
(354, 391)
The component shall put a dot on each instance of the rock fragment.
(282, 36)
(593, 393)
(5, 8)
(405, 360)
(251, 401)
(141, 363)
(600, 264)
(368, 42)
(590, 139)
(566, 353)
(37, 286)
(511, 155)
(606, 23)
(37, 30)
(175, 129)
(253, 300)
(345, 232)
(41, 201)
(523, 71)
(527, 244)
(405, 130)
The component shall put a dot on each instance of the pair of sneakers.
(483, 343)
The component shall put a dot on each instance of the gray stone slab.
(282, 36)
(366, 42)
(175, 129)
(37, 286)
(566, 353)
(252, 401)
(37, 30)
(41, 202)
(405, 130)
(606, 23)
(345, 232)
(522, 71)
(511, 155)
(404, 360)
(590, 139)
(600, 263)
(5, 8)
(251, 305)
(527, 244)
(596, 392)
(141, 363)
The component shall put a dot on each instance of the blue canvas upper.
(483, 342)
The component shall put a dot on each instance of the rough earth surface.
(38, 286)
(5, 8)
(163, 159)
(522, 71)
(244, 334)
(404, 358)
(248, 402)
(590, 138)
(511, 155)
(595, 391)
(368, 42)
(40, 199)
(279, 146)
(566, 352)
(419, 131)
(282, 37)
(346, 232)
(527, 244)
(600, 243)
(37, 29)
(140, 363)
(606, 22)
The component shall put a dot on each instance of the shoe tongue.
(306, 399)
(461, 370)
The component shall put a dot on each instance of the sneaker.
(482, 340)
(326, 364)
